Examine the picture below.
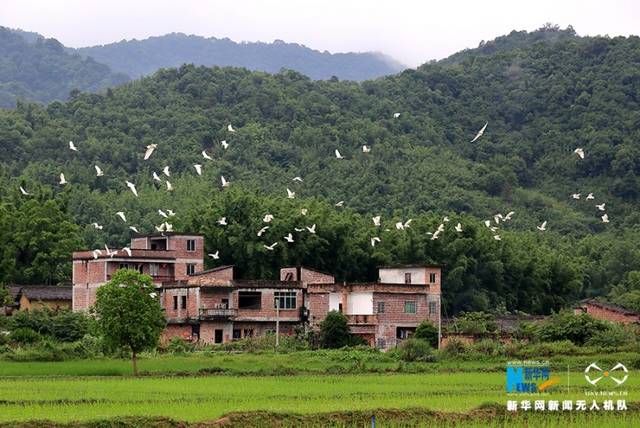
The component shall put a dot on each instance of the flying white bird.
(312, 229)
(135, 229)
(480, 132)
(222, 221)
(169, 186)
(262, 231)
(198, 168)
(62, 179)
(230, 128)
(445, 219)
(96, 253)
(205, 155)
(340, 204)
(576, 196)
(458, 228)
(497, 237)
(132, 186)
(72, 146)
(297, 179)
(267, 218)
(97, 226)
(165, 171)
(374, 240)
(225, 183)
(396, 115)
(403, 226)
(509, 215)
(121, 215)
(156, 177)
(304, 211)
(171, 213)
(224, 144)
(493, 229)
(601, 206)
(215, 256)
(160, 228)
(376, 220)
(590, 196)
(290, 194)
(487, 223)
(605, 218)
(543, 226)
(127, 250)
(289, 238)
(109, 252)
(149, 151)
(366, 149)
(580, 152)
(153, 295)
(99, 172)
(270, 247)
(338, 155)
(297, 229)
(24, 192)
(497, 218)
(163, 214)
(168, 226)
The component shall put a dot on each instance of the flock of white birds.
(165, 226)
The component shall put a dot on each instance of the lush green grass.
(89, 390)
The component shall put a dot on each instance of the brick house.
(606, 311)
(30, 297)
(213, 306)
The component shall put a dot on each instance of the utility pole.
(439, 322)
(277, 322)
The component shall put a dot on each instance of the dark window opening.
(183, 302)
(404, 332)
(175, 303)
(191, 244)
(159, 244)
(407, 278)
(237, 334)
(225, 304)
(248, 332)
(432, 278)
(195, 331)
(249, 300)
(381, 307)
(217, 336)
(340, 307)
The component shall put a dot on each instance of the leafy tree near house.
(5, 297)
(129, 313)
(334, 331)
(428, 332)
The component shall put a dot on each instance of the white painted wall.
(334, 301)
(360, 303)
(396, 275)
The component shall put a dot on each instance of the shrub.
(476, 323)
(549, 349)
(63, 325)
(414, 349)
(455, 346)
(488, 347)
(334, 331)
(568, 326)
(427, 331)
(177, 345)
(614, 336)
(24, 335)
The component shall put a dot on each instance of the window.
(288, 276)
(191, 244)
(249, 300)
(248, 332)
(154, 269)
(410, 307)
(407, 278)
(432, 277)
(284, 299)
(217, 336)
(381, 307)
(432, 308)
(191, 268)
(237, 334)
(123, 266)
(175, 303)
(225, 304)
(139, 268)
(183, 302)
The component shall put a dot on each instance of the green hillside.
(38, 69)
(541, 101)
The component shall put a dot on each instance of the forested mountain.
(39, 69)
(541, 101)
(142, 57)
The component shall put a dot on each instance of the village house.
(212, 306)
(606, 311)
(34, 297)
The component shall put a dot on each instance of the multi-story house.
(213, 306)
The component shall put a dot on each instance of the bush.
(614, 336)
(177, 345)
(267, 343)
(24, 335)
(334, 331)
(64, 325)
(568, 326)
(455, 346)
(427, 331)
(414, 349)
(476, 323)
(488, 347)
(549, 349)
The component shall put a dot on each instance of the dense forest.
(37, 69)
(142, 57)
(541, 99)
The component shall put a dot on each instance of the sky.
(412, 32)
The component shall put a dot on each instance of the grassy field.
(98, 390)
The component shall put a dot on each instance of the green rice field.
(78, 391)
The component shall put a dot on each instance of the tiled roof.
(42, 292)
(609, 306)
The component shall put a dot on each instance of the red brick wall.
(207, 331)
(318, 304)
(139, 243)
(178, 244)
(308, 276)
(267, 309)
(183, 331)
(191, 311)
(609, 315)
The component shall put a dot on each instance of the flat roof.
(409, 266)
(161, 234)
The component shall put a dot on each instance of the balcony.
(217, 313)
(155, 279)
(362, 319)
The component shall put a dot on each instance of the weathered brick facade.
(607, 312)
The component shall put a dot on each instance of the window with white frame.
(410, 307)
(154, 269)
(433, 308)
(191, 268)
(284, 299)
(191, 244)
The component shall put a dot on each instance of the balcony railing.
(362, 319)
(218, 313)
(156, 278)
